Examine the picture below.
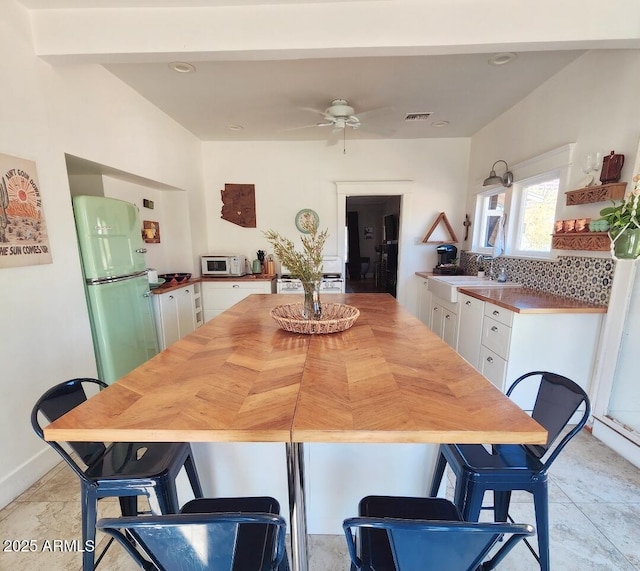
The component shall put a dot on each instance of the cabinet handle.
(468, 303)
(170, 297)
(494, 328)
(235, 285)
(435, 308)
(447, 316)
(186, 291)
(496, 312)
(489, 359)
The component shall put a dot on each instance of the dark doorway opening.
(373, 231)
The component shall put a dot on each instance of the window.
(535, 201)
(491, 208)
(530, 205)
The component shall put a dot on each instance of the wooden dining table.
(240, 378)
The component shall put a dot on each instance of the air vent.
(417, 116)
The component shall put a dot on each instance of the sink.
(446, 287)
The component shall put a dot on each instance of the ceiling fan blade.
(373, 112)
(301, 127)
(317, 112)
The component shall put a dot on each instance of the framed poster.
(23, 232)
(150, 232)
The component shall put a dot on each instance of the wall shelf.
(589, 194)
(591, 241)
(442, 217)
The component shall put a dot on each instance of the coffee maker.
(446, 255)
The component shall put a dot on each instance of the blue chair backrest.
(557, 401)
(56, 402)
(421, 545)
(200, 542)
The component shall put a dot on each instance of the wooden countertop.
(526, 300)
(239, 378)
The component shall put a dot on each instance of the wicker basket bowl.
(335, 317)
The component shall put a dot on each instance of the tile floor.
(594, 511)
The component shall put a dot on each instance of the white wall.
(171, 213)
(44, 327)
(289, 176)
(593, 103)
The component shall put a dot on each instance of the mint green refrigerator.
(117, 289)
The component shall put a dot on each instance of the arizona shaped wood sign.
(239, 204)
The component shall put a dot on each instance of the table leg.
(297, 508)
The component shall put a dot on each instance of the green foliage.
(622, 215)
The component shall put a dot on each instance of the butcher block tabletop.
(239, 378)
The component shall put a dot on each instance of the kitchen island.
(239, 378)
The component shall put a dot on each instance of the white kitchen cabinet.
(218, 296)
(444, 320)
(470, 317)
(516, 343)
(174, 313)
(424, 301)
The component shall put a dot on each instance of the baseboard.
(24, 476)
(607, 433)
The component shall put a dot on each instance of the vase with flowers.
(624, 224)
(306, 265)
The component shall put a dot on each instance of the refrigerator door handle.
(98, 281)
(141, 250)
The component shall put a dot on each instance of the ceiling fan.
(341, 116)
(338, 115)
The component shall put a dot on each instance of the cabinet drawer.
(496, 336)
(493, 367)
(499, 314)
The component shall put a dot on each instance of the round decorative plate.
(305, 216)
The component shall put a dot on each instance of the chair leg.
(473, 497)
(129, 505)
(89, 516)
(438, 473)
(167, 496)
(194, 480)
(501, 501)
(541, 503)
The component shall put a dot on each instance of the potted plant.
(305, 265)
(624, 224)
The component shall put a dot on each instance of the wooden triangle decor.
(442, 217)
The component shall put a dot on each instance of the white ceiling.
(285, 61)
(268, 98)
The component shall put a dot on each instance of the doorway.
(371, 243)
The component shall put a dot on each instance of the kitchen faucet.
(480, 258)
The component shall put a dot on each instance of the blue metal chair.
(123, 469)
(425, 534)
(212, 534)
(517, 467)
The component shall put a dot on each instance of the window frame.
(482, 214)
(517, 219)
(558, 160)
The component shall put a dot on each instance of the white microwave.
(224, 266)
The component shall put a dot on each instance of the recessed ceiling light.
(235, 127)
(440, 123)
(502, 58)
(182, 67)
